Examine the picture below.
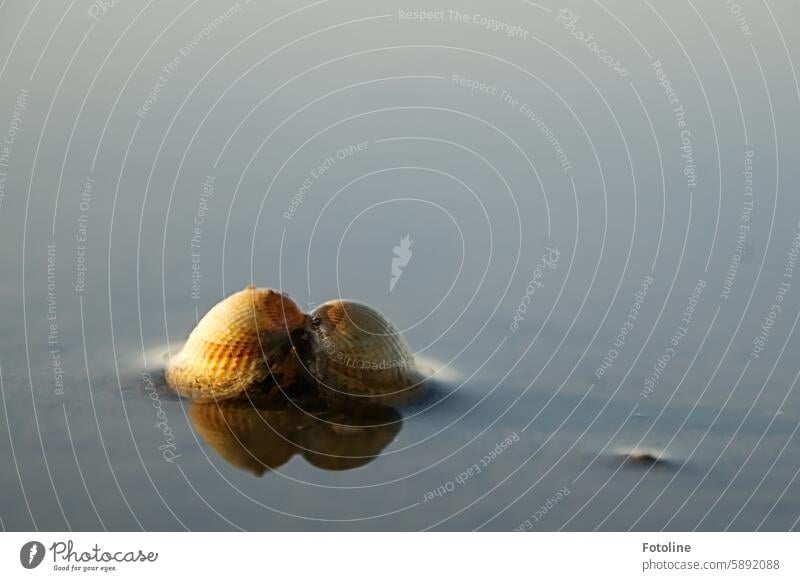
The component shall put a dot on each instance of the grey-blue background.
(550, 147)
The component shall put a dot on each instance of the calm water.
(604, 235)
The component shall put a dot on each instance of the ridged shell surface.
(359, 352)
(242, 341)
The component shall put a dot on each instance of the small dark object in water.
(645, 458)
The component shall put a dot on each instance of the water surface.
(603, 261)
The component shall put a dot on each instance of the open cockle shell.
(359, 352)
(253, 336)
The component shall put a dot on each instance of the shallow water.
(612, 299)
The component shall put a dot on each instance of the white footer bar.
(407, 556)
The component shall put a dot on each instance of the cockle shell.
(253, 336)
(359, 352)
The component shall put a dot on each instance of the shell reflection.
(262, 437)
